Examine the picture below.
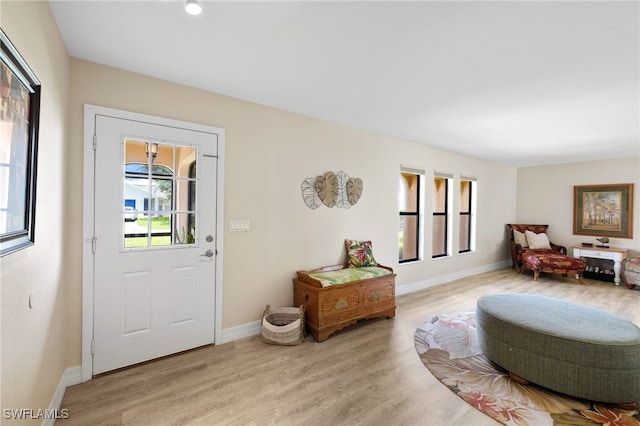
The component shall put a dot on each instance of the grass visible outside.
(137, 242)
(158, 224)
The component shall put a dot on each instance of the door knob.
(208, 253)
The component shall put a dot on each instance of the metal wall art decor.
(332, 190)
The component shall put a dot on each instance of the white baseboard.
(238, 332)
(70, 376)
(443, 279)
(254, 328)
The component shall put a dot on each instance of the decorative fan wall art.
(331, 189)
(327, 188)
(309, 194)
(354, 190)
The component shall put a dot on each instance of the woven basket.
(283, 326)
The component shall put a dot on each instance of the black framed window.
(409, 202)
(466, 192)
(440, 225)
(19, 122)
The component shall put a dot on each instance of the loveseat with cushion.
(531, 249)
(631, 272)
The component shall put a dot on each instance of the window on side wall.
(441, 226)
(409, 207)
(467, 230)
(19, 123)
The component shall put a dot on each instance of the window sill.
(410, 262)
(435, 259)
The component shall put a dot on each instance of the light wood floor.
(368, 374)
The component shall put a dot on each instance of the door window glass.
(159, 195)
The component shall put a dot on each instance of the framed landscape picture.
(603, 210)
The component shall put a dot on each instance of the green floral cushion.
(359, 254)
(347, 275)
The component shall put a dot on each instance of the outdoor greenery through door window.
(159, 194)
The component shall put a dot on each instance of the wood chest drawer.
(329, 309)
(378, 296)
(339, 305)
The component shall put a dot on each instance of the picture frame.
(603, 210)
(19, 129)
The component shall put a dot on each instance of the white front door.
(154, 241)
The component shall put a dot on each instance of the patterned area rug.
(448, 347)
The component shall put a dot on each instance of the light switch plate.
(239, 225)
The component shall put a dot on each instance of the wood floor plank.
(367, 374)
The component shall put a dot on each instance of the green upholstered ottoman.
(573, 349)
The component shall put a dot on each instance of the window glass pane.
(192, 187)
(185, 195)
(185, 161)
(164, 161)
(465, 221)
(135, 191)
(407, 238)
(161, 230)
(135, 159)
(135, 229)
(403, 192)
(408, 199)
(162, 192)
(439, 194)
(439, 228)
(184, 228)
(136, 242)
(465, 200)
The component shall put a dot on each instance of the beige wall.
(34, 341)
(268, 154)
(545, 195)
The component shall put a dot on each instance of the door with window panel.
(155, 233)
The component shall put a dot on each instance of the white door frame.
(90, 111)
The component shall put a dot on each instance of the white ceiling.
(520, 83)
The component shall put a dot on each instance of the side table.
(610, 253)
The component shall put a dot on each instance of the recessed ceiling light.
(192, 7)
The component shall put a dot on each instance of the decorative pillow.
(520, 238)
(537, 241)
(359, 254)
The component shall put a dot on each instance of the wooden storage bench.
(333, 300)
